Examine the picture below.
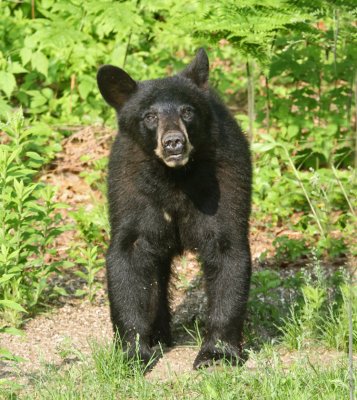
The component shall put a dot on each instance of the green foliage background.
(287, 69)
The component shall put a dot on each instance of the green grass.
(106, 375)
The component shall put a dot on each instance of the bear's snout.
(173, 143)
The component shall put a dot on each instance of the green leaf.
(80, 292)
(80, 273)
(13, 305)
(6, 277)
(85, 87)
(13, 331)
(34, 156)
(25, 54)
(7, 355)
(40, 62)
(16, 68)
(61, 291)
(293, 131)
(263, 147)
(7, 83)
(4, 108)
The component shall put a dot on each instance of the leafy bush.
(29, 221)
(318, 196)
(49, 54)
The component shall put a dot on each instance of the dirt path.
(56, 337)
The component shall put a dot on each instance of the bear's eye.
(187, 113)
(150, 118)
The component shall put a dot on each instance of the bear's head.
(169, 118)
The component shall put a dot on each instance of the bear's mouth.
(176, 160)
(175, 157)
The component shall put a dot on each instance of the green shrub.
(29, 222)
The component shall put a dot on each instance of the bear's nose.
(173, 143)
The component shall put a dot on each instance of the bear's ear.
(198, 70)
(115, 85)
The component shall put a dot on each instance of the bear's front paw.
(143, 355)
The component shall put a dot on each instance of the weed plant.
(88, 253)
(302, 308)
(320, 315)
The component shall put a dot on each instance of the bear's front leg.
(227, 271)
(135, 291)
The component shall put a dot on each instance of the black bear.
(179, 179)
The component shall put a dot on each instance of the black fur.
(157, 211)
